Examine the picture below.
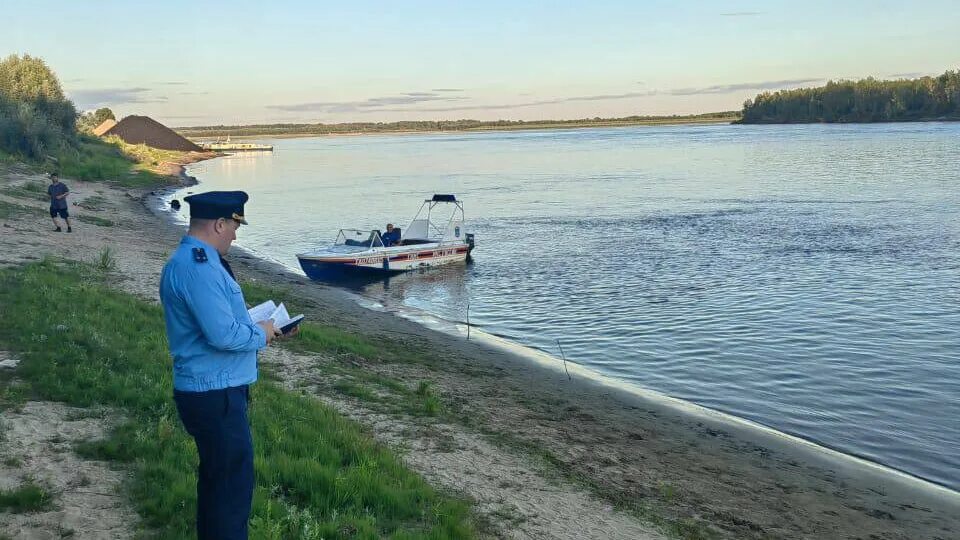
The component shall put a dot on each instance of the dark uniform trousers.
(217, 420)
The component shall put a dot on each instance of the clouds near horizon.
(391, 103)
(368, 105)
(101, 97)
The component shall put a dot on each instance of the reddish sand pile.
(143, 129)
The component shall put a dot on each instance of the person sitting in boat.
(391, 237)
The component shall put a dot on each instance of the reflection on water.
(804, 277)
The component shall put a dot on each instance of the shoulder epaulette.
(199, 255)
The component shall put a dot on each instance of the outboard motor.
(470, 245)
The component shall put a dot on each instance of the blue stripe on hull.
(324, 271)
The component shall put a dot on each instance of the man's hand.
(269, 329)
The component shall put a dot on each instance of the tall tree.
(35, 115)
(91, 119)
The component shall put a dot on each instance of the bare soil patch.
(86, 496)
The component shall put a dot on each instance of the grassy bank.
(106, 160)
(318, 475)
(128, 165)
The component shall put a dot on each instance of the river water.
(803, 277)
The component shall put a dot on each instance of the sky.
(192, 62)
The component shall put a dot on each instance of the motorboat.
(436, 236)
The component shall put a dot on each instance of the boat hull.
(323, 267)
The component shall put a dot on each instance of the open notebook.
(281, 319)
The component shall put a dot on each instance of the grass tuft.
(95, 203)
(29, 497)
(106, 261)
(94, 220)
(13, 394)
(36, 187)
(32, 191)
(8, 210)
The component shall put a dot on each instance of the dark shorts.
(62, 212)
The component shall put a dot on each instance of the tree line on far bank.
(441, 125)
(866, 100)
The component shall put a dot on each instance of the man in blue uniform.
(214, 346)
(391, 237)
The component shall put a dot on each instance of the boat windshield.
(358, 238)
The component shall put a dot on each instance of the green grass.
(387, 394)
(318, 474)
(13, 393)
(94, 220)
(93, 160)
(312, 337)
(8, 210)
(96, 203)
(29, 497)
(144, 155)
(97, 160)
(34, 191)
(331, 339)
(36, 187)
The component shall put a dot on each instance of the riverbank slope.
(538, 455)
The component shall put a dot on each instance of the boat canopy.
(427, 228)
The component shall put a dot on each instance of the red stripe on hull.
(404, 257)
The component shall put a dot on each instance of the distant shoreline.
(321, 130)
(532, 127)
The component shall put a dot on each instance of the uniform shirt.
(212, 339)
(55, 190)
(390, 238)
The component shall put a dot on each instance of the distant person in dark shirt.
(391, 237)
(58, 202)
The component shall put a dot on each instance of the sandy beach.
(540, 455)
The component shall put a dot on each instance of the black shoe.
(58, 229)
(69, 229)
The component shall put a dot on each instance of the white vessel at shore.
(424, 243)
(229, 146)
